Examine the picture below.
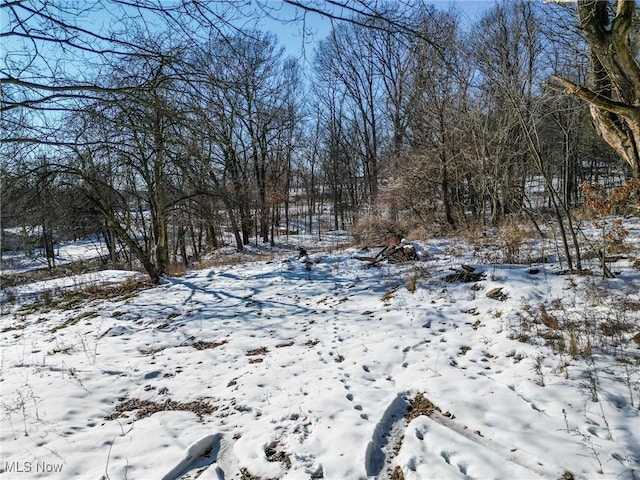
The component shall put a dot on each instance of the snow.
(66, 253)
(72, 283)
(310, 369)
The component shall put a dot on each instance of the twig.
(106, 467)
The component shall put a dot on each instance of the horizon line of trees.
(161, 139)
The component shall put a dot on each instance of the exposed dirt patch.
(151, 351)
(397, 474)
(312, 343)
(257, 351)
(204, 345)
(22, 327)
(276, 455)
(146, 408)
(420, 405)
(246, 475)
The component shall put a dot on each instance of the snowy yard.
(280, 369)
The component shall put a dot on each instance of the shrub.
(374, 230)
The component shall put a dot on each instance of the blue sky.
(299, 38)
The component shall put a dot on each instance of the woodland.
(171, 128)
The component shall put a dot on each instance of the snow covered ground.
(66, 253)
(329, 369)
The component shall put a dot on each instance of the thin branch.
(370, 20)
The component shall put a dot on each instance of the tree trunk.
(47, 240)
(614, 91)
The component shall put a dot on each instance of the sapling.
(566, 422)
(537, 368)
(593, 376)
(587, 441)
(628, 380)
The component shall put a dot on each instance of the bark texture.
(614, 90)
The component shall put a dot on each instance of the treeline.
(164, 137)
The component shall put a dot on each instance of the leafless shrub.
(374, 230)
(177, 269)
(537, 368)
(511, 242)
(547, 319)
(411, 282)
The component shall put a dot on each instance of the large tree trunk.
(614, 91)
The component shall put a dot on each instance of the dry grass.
(411, 282)
(73, 321)
(415, 274)
(66, 270)
(388, 296)
(601, 321)
(547, 319)
(69, 299)
(233, 259)
(509, 243)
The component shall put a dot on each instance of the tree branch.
(565, 86)
(624, 17)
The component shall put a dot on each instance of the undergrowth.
(69, 299)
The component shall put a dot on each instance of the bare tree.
(347, 57)
(440, 93)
